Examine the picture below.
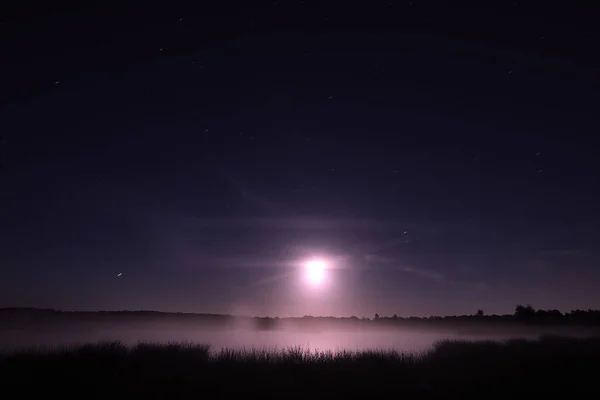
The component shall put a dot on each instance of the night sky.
(441, 157)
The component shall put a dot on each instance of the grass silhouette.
(549, 365)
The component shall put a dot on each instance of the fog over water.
(408, 341)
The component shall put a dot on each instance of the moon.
(315, 272)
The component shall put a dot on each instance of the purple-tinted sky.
(442, 158)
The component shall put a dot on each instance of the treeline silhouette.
(524, 315)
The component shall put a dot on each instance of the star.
(119, 274)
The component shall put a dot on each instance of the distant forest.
(523, 315)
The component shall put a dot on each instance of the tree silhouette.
(376, 316)
(479, 313)
(524, 312)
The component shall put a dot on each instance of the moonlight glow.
(315, 272)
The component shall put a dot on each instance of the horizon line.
(271, 317)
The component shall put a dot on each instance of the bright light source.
(315, 271)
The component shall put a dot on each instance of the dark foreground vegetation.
(551, 365)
